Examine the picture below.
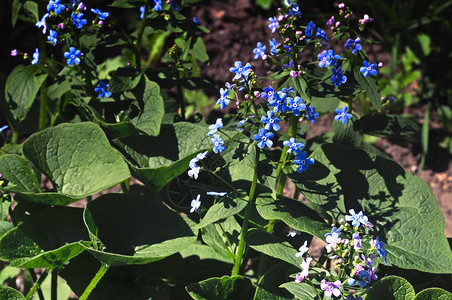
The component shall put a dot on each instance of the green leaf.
(401, 206)
(9, 293)
(265, 4)
(155, 161)
(77, 158)
(135, 230)
(198, 50)
(433, 293)
(19, 175)
(204, 252)
(32, 7)
(124, 79)
(346, 134)
(5, 226)
(301, 290)
(223, 237)
(46, 239)
(369, 84)
(16, 5)
(268, 285)
(230, 205)
(235, 287)
(126, 3)
(387, 125)
(294, 213)
(21, 88)
(391, 288)
(273, 246)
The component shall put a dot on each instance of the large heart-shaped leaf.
(9, 293)
(391, 288)
(294, 213)
(157, 160)
(235, 287)
(77, 158)
(46, 239)
(433, 293)
(19, 175)
(400, 205)
(132, 229)
(21, 89)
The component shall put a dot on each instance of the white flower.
(302, 250)
(195, 203)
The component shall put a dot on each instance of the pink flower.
(365, 19)
(331, 288)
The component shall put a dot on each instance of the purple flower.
(343, 116)
(337, 78)
(42, 23)
(263, 138)
(302, 162)
(365, 19)
(368, 69)
(240, 70)
(331, 288)
(357, 241)
(14, 52)
(259, 51)
(223, 101)
(273, 24)
(55, 6)
(293, 146)
(353, 45)
(270, 121)
(102, 89)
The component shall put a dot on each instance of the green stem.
(350, 103)
(43, 118)
(15, 136)
(37, 284)
(54, 285)
(251, 201)
(140, 37)
(103, 269)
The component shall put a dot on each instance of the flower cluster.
(346, 249)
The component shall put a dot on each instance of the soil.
(235, 28)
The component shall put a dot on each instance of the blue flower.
(293, 146)
(240, 123)
(52, 37)
(302, 162)
(268, 93)
(42, 23)
(368, 68)
(142, 10)
(273, 24)
(259, 51)
(72, 56)
(288, 90)
(240, 70)
(223, 101)
(342, 115)
(311, 114)
(35, 57)
(289, 65)
(278, 102)
(263, 138)
(337, 78)
(356, 218)
(326, 58)
(221, 194)
(353, 45)
(296, 105)
(3, 128)
(294, 10)
(77, 20)
(217, 142)
(310, 29)
(56, 6)
(102, 15)
(196, 21)
(270, 121)
(174, 5)
(158, 5)
(379, 245)
(102, 89)
(214, 127)
(273, 46)
(321, 34)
